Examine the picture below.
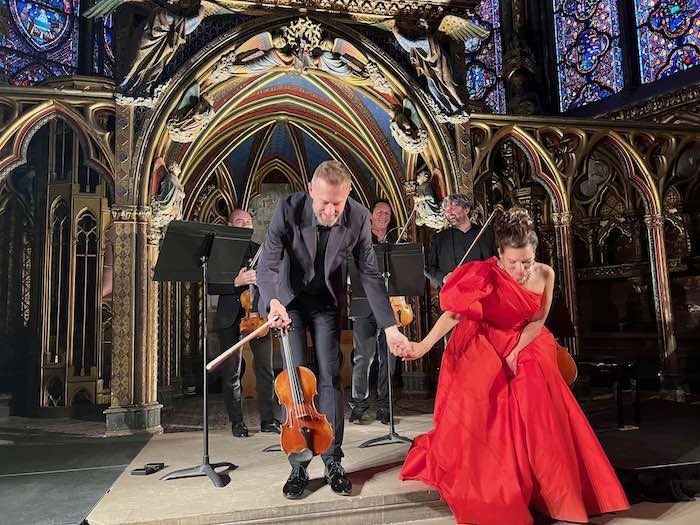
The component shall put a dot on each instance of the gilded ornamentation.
(658, 106)
(562, 219)
(146, 101)
(654, 221)
(303, 35)
(379, 81)
(130, 213)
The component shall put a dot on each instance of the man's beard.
(322, 221)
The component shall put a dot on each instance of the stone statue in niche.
(406, 127)
(168, 26)
(167, 194)
(194, 114)
(428, 210)
(420, 39)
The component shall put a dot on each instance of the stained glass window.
(589, 57)
(103, 57)
(668, 32)
(485, 58)
(42, 40)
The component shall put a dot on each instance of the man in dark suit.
(448, 246)
(228, 316)
(302, 280)
(366, 338)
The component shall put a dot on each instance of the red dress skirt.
(502, 444)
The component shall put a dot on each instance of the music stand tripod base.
(205, 469)
(390, 438)
(273, 448)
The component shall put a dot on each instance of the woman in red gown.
(509, 435)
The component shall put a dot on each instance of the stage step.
(418, 511)
(254, 494)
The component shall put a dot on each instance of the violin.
(307, 432)
(251, 321)
(566, 364)
(403, 313)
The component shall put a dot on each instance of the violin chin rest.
(303, 456)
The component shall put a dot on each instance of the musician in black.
(228, 316)
(448, 246)
(367, 339)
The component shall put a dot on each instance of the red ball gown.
(505, 444)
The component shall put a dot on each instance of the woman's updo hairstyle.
(515, 228)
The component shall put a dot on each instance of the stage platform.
(254, 493)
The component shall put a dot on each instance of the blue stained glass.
(42, 40)
(589, 57)
(485, 58)
(103, 56)
(668, 32)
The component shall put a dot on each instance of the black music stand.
(408, 281)
(206, 253)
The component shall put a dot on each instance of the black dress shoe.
(383, 415)
(358, 416)
(296, 483)
(239, 430)
(337, 479)
(270, 426)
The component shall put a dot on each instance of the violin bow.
(216, 363)
(498, 208)
(405, 226)
(255, 258)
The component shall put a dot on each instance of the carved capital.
(155, 234)
(562, 218)
(131, 213)
(654, 221)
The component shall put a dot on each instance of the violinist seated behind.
(228, 317)
(366, 343)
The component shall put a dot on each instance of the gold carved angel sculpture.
(166, 30)
(340, 58)
(267, 51)
(255, 56)
(420, 39)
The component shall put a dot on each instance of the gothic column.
(662, 297)
(465, 177)
(155, 234)
(567, 271)
(134, 407)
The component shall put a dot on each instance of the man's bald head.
(239, 218)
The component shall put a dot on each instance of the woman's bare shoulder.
(544, 272)
(545, 269)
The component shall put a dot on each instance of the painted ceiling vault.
(283, 128)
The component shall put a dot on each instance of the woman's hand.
(417, 350)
